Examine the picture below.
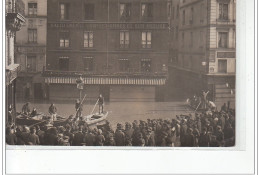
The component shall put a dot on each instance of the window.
(191, 39)
(125, 11)
(31, 63)
(146, 65)
(64, 63)
(202, 10)
(223, 11)
(201, 41)
(32, 35)
(88, 39)
(124, 39)
(222, 39)
(222, 66)
(64, 39)
(64, 11)
(32, 9)
(89, 11)
(178, 11)
(88, 63)
(173, 11)
(147, 11)
(177, 33)
(182, 40)
(124, 65)
(146, 40)
(183, 17)
(191, 15)
(169, 9)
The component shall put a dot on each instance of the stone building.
(30, 51)
(203, 49)
(120, 47)
(14, 16)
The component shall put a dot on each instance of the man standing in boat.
(101, 103)
(53, 112)
(78, 107)
(26, 109)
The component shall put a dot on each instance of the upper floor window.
(146, 65)
(147, 11)
(124, 39)
(191, 39)
(178, 11)
(223, 39)
(32, 9)
(88, 39)
(177, 33)
(63, 63)
(183, 17)
(202, 10)
(222, 66)
(125, 11)
(169, 9)
(64, 39)
(31, 63)
(88, 63)
(191, 15)
(223, 11)
(182, 41)
(32, 35)
(146, 40)
(89, 11)
(123, 65)
(64, 11)
(173, 11)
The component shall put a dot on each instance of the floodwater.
(119, 112)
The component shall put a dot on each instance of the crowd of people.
(203, 129)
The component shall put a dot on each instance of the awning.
(107, 81)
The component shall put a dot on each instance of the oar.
(80, 104)
(94, 108)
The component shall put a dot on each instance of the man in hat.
(119, 135)
(78, 138)
(204, 138)
(26, 109)
(79, 108)
(33, 138)
(53, 112)
(101, 103)
(90, 138)
(128, 134)
(149, 137)
(100, 139)
(10, 137)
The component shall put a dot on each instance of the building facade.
(203, 49)
(14, 19)
(30, 51)
(120, 47)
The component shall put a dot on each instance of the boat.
(22, 119)
(95, 118)
(39, 119)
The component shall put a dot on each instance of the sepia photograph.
(128, 73)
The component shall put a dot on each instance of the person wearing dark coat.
(100, 139)
(150, 137)
(204, 138)
(183, 132)
(33, 138)
(78, 138)
(26, 109)
(10, 137)
(90, 138)
(119, 136)
(189, 138)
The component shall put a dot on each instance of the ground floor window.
(146, 65)
(222, 66)
(88, 63)
(64, 63)
(124, 65)
(31, 63)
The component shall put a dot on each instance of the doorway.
(38, 91)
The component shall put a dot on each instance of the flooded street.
(119, 112)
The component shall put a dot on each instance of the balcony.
(14, 14)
